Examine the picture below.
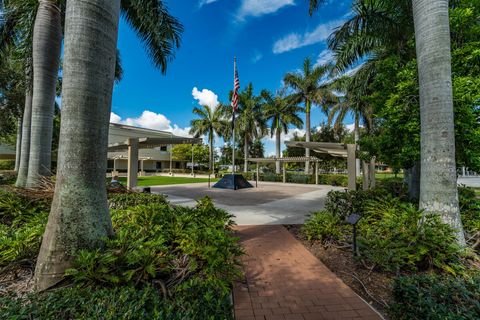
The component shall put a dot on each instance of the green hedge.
(436, 297)
(120, 201)
(298, 177)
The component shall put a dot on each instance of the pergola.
(340, 150)
(132, 145)
(283, 161)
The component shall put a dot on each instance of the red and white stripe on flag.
(236, 86)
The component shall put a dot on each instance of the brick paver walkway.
(285, 281)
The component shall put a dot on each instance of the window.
(158, 165)
(163, 148)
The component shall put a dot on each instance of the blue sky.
(268, 37)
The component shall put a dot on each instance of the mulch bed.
(374, 287)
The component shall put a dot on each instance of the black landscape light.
(353, 220)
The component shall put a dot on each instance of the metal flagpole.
(233, 119)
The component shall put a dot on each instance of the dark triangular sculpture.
(233, 181)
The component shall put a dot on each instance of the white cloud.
(257, 56)
(257, 8)
(115, 118)
(326, 56)
(205, 2)
(205, 97)
(286, 137)
(151, 120)
(295, 40)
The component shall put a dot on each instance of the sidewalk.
(285, 281)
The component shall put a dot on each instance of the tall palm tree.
(47, 40)
(149, 18)
(387, 26)
(250, 121)
(210, 122)
(16, 33)
(438, 180)
(281, 112)
(310, 88)
(79, 217)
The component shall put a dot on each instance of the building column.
(193, 174)
(316, 172)
(132, 163)
(284, 173)
(258, 171)
(351, 167)
(171, 160)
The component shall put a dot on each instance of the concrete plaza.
(270, 203)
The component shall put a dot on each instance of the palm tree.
(281, 112)
(79, 218)
(438, 180)
(47, 40)
(386, 26)
(250, 121)
(310, 88)
(211, 122)
(150, 18)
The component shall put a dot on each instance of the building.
(154, 149)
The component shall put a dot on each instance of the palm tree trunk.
(210, 151)
(307, 134)
(245, 150)
(25, 150)
(356, 132)
(47, 40)
(438, 181)
(277, 147)
(79, 218)
(18, 148)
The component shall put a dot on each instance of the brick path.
(285, 281)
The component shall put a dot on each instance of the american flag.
(236, 86)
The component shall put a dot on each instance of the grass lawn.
(159, 181)
(381, 176)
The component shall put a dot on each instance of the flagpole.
(233, 120)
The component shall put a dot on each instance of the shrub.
(344, 203)
(121, 201)
(19, 208)
(470, 211)
(429, 297)
(23, 241)
(160, 242)
(7, 164)
(323, 226)
(396, 236)
(195, 300)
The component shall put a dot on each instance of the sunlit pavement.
(270, 203)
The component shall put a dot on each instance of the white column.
(351, 167)
(132, 163)
(284, 173)
(316, 172)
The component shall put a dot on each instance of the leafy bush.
(163, 263)
(323, 226)
(7, 164)
(22, 241)
(429, 297)
(470, 211)
(19, 208)
(194, 300)
(397, 236)
(121, 201)
(344, 203)
(164, 243)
